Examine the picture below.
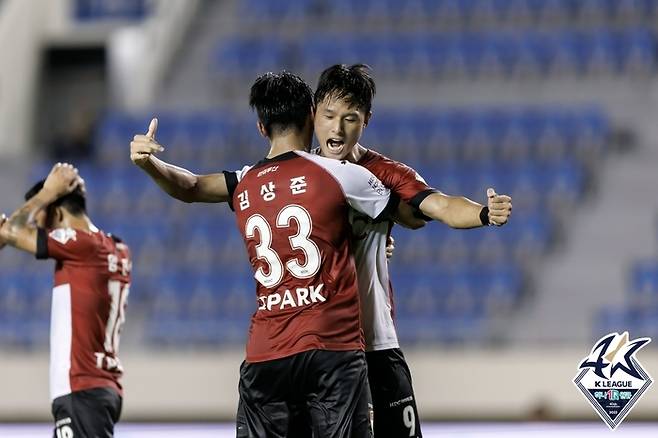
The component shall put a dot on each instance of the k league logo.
(612, 379)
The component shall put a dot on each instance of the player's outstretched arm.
(461, 212)
(177, 182)
(20, 230)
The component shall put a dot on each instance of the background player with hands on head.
(91, 286)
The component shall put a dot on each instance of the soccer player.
(305, 346)
(344, 99)
(92, 278)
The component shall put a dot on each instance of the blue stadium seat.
(536, 53)
(638, 51)
(93, 10)
(610, 320)
(263, 10)
(644, 281)
(250, 56)
(317, 52)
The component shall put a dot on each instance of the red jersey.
(292, 211)
(92, 282)
(397, 176)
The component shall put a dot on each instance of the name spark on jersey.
(303, 297)
(268, 190)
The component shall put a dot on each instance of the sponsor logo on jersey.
(267, 170)
(376, 185)
(612, 379)
(63, 235)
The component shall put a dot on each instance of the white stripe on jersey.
(363, 190)
(61, 327)
(376, 299)
(240, 173)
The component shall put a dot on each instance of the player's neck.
(81, 222)
(280, 144)
(357, 153)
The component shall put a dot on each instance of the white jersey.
(376, 295)
(369, 248)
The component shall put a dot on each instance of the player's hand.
(3, 219)
(500, 207)
(82, 185)
(62, 180)
(390, 247)
(143, 146)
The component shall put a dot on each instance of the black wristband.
(484, 216)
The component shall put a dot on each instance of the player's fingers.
(81, 184)
(491, 192)
(500, 198)
(500, 208)
(143, 139)
(498, 220)
(145, 147)
(55, 167)
(139, 157)
(153, 126)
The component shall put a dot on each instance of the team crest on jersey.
(612, 379)
(63, 235)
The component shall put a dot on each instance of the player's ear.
(58, 215)
(261, 129)
(366, 120)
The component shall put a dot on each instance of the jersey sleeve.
(364, 191)
(403, 180)
(63, 244)
(233, 177)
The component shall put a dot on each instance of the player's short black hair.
(281, 100)
(75, 202)
(354, 84)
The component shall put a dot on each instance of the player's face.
(338, 127)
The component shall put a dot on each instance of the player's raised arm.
(20, 229)
(461, 212)
(177, 182)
